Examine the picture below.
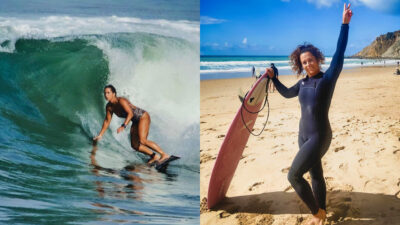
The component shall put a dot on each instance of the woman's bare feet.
(164, 157)
(319, 218)
(154, 159)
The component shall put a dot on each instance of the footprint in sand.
(254, 218)
(224, 215)
(252, 187)
(206, 157)
(221, 136)
(366, 182)
(343, 166)
(339, 148)
(382, 149)
(203, 205)
(348, 187)
(288, 188)
(285, 170)
(329, 178)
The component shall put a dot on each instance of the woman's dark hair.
(112, 88)
(295, 56)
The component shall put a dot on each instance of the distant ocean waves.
(216, 67)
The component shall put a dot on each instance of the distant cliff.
(385, 46)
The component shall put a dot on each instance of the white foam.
(246, 66)
(240, 69)
(241, 63)
(12, 29)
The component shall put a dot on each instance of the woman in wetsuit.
(315, 93)
(140, 124)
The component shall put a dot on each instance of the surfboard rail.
(234, 143)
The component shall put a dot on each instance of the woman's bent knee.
(292, 176)
(143, 141)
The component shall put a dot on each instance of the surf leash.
(266, 102)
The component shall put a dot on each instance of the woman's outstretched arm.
(106, 123)
(282, 89)
(338, 58)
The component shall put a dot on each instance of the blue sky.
(276, 27)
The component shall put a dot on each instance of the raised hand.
(347, 14)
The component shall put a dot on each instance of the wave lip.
(12, 29)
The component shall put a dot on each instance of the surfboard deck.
(164, 165)
(234, 143)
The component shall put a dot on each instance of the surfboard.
(234, 143)
(164, 165)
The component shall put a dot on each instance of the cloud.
(209, 20)
(323, 3)
(244, 40)
(385, 6)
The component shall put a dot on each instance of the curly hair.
(295, 56)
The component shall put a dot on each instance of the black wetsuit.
(315, 134)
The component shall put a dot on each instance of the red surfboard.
(234, 143)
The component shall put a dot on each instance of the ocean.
(55, 59)
(223, 67)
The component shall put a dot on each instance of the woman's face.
(108, 94)
(309, 63)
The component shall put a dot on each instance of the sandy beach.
(361, 167)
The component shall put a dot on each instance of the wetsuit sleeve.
(338, 58)
(284, 91)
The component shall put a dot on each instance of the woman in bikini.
(140, 125)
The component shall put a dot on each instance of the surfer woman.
(140, 125)
(315, 93)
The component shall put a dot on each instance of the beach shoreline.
(225, 67)
(359, 167)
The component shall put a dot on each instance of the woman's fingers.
(96, 138)
(346, 8)
(270, 72)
